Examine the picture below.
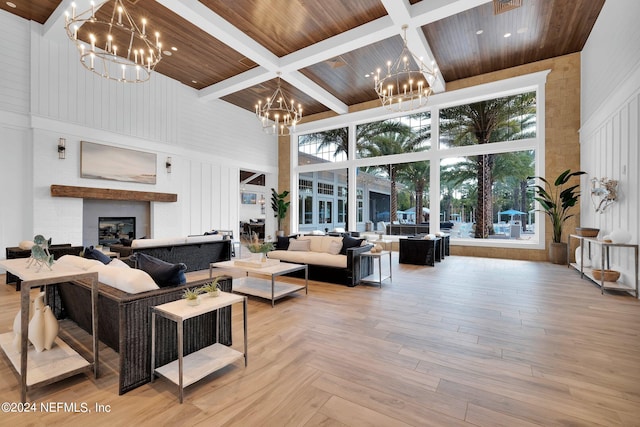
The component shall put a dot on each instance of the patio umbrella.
(510, 212)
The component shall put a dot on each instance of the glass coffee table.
(261, 287)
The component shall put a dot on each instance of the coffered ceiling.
(326, 50)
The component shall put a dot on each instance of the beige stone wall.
(562, 139)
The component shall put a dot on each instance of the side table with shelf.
(605, 262)
(189, 369)
(380, 277)
(38, 369)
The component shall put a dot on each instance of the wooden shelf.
(199, 364)
(587, 271)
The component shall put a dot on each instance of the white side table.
(372, 277)
(189, 369)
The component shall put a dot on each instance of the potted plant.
(191, 295)
(280, 207)
(258, 247)
(556, 200)
(212, 288)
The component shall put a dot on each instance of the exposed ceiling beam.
(400, 12)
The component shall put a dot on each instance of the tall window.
(482, 155)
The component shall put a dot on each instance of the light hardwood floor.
(471, 342)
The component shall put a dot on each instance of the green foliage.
(191, 294)
(556, 199)
(279, 205)
(211, 286)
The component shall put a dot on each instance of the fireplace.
(105, 222)
(113, 228)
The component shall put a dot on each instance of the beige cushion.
(78, 262)
(334, 247)
(314, 258)
(26, 245)
(299, 245)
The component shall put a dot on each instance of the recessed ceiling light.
(193, 81)
(167, 52)
(173, 48)
(479, 32)
(11, 4)
(506, 35)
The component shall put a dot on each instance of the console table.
(56, 250)
(61, 361)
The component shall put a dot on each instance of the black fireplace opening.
(112, 229)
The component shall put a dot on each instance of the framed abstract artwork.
(249, 198)
(99, 161)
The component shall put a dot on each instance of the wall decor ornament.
(40, 255)
(99, 161)
(604, 192)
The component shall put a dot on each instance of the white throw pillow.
(26, 245)
(78, 262)
(132, 281)
(299, 245)
(334, 247)
(118, 263)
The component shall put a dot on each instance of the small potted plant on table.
(212, 288)
(191, 295)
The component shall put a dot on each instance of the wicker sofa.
(124, 324)
(346, 269)
(197, 252)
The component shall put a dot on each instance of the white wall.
(610, 110)
(46, 94)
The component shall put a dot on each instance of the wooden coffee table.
(263, 288)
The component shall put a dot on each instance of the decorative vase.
(193, 301)
(36, 330)
(558, 253)
(51, 327)
(214, 294)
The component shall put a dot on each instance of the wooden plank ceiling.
(326, 50)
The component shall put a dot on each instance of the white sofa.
(324, 260)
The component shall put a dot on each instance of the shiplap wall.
(610, 133)
(46, 94)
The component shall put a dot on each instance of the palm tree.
(482, 123)
(417, 174)
(339, 138)
(388, 143)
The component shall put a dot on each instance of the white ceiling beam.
(400, 13)
(213, 24)
(241, 81)
(366, 34)
(426, 12)
(311, 88)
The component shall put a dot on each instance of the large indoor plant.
(557, 199)
(280, 207)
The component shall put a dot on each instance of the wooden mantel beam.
(110, 194)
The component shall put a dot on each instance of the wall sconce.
(603, 193)
(62, 148)
(262, 201)
(168, 164)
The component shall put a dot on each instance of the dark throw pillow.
(282, 243)
(91, 253)
(349, 242)
(162, 272)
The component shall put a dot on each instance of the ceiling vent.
(501, 6)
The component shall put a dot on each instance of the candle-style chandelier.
(125, 53)
(278, 115)
(404, 89)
